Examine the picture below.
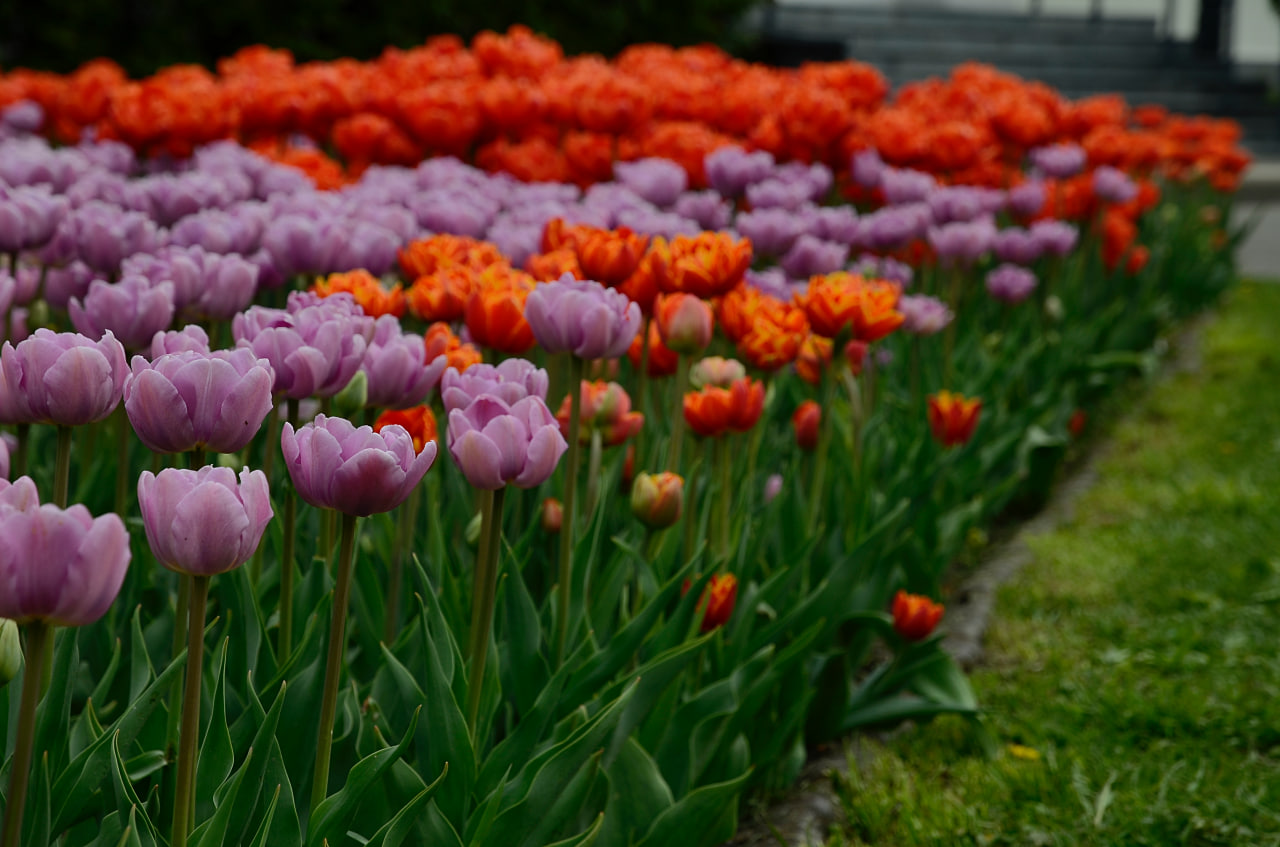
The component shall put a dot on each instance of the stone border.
(805, 815)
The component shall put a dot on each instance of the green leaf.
(335, 814)
(53, 720)
(652, 679)
(705, 817)
(79, 784)
(524, 669)
(395, 831)
(586, 838)
(898, 709)
(565, 805)
(637, 794)
(127, 798)
(140, 669)
(213, 832)
(255, 776)
(217, 755)
(35, 822)
(264, 829)
(103, 689)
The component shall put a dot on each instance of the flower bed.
(806, 375)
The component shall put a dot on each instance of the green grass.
(1132, 682)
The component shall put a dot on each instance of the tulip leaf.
(524, 669)
(36, 819)
(102, 690)
(254, 776)
(217, 755)
(126, 797)
(53, 719)
(284, 828)
(564, 805)
(213, 832)
(637, 794)
(140, 669)
(705, 817)
(79, 783)
(335, 813)
(85, 730)
(264, 829)
(395, 831)
(585, 838)
(652, 679)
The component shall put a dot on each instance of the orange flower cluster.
(707, 265)
(495, 310)
(440, 341)
(713, 411)
(769, 333)
(609, 256)
(915, 616)
(847, 301)
(367, 291)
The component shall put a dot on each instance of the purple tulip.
(101, 235)
(24, 116)
(583, 318)
(810, 256)
(362, 245)
(358, 472)
(206, 285)
(708, 208)
(495, 443)
(62, 285)
(963, 203)
(60, 378)
(133, 310)
(510, 381)
(834, 223)
(1028, 198)
(962, 243)
(1055, 237)
(1059, 160)
(393, 364)
(5, 450)
(777, 193)
(202, 522)
(62, 567)
(29, 216)
(190, 337)
(1113, 185)
(923, 315)
(315, 346)
(771, 232)
(772, 487)
(894, 226)
(772, 281)
(903, 185)
(659, 181)
(453, 210)
(867, 167)
(297, 244)
(655, 222)
(731, 169)
(1017, 245)
(237, 229)
(1010, 284)
(191, 400)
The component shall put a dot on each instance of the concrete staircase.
(1078, 56)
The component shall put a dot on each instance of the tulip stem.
(486, 591)
(284, 643)
(333, 663)
(404, 543)
(567, 535)
(593, 472)
(62, 468)
(39, 640)
(677, 424)
(724, 464)
(269, 450)
(642, 389)
(20, 454)
(182, 795)
(817, 488)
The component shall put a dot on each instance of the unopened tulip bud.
(685, 322)
(10, 652)
(656, 499)
(772, 487)
(552, 515)
(722, 594)
(354, 397)
(806, 421)
(473, 530)
(717, 371)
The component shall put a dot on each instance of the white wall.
(1255, 29)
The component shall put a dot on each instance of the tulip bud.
(10, 652)
(806, 421)
(353, 397)
(722, 594)
(473, 530)
(1053, 309)
(915, 616)
(717, 371)
(656, 499)
(685, 322)
(552, 515)
(772, 487)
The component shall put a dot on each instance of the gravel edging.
(806, 813)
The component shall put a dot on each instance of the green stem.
(567, 534)
(124, 471)
(817, 490)
(690, 516)
(724, 464)
(642, 390)
(179, 642)
(333, 663)
(593, 472)
(677, 424)
(62, 468)
(650, 547)
(404, 544)
(183, 795)
(39, 640)
(482, 611)
(479, 576)
(284, 644)
(269, 451)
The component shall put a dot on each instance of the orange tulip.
(721, 595)
(842, 300)
(953, 418)
(367, 291)
(427, 255)
(915, 616)
(419, 421)
(443, 294)
(814, 356)
(440, 341)
(605, 406)
(714, 411)
(552, 515)
(609, 256)
(684, 321)
(495, 311)
(550, 266)
(706, 265)
(806, 421)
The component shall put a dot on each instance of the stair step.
(1011, 50)
(1210, 78)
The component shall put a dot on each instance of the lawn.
(1132, 678)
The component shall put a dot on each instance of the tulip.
(713, 411)
(57, 568)
(495, 443)
(962, 243)
(731, 169)
(552, 515)
(1010, 284)
(393, 364)
(903, 185)
(510, 381)
(806, 422)
(663, 361)
(656, 499)
(1057, 238)
(915, 616)
(840, 301)
(61, 378)
(717, 371)
(924, 315)
(355, 471)
(190, 337)
(722, 594)
(202, 522)
(685, 322)
(583, 318)
(660, 181)
(953, 418)
(1059, 160)
(605, 407)
(198, 401)
(418, 421)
